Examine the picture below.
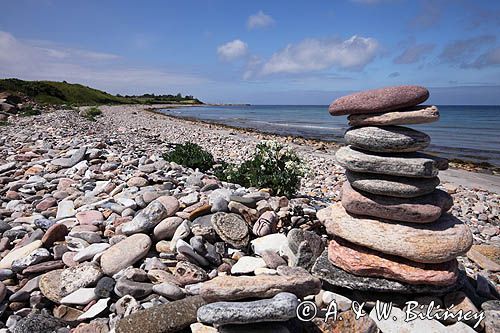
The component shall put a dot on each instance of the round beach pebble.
(231, 228)
(387, 139)
(125, 253)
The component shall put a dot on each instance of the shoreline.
(463, 164)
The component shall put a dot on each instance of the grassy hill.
(52, 92)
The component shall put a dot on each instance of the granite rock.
(362, 261)
(420, 114)
(231, 228)
(281, 307)
(423, 209)
(379, 100)
(334, 277)
(440, 241)
(394, 186)
(387, 139)
(417, 165)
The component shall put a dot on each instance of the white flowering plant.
(273, 165)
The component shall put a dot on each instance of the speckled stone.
(379, 100)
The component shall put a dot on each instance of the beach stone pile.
(391, 229)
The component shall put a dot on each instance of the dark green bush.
(4, 123)
(273, 165)
(190, 155)
(29, 110)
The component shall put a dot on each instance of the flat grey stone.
(393, 186)
(68, 162)
(420, 114)
(147, 218)
(333, 277)
(403, 164)
(387, 139)
(279, 308)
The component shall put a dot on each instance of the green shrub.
(29, 110)
(273, 165)
(4, 123)
(92, 112)
(190, 155)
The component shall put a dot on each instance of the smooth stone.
(92, 217)
(334, 277)
(342, 302)
(43, 223)
(33, 258)
(135, 289)
(441, 241)
(125, 253)
(171, 317)
(393, 186)
(147, 219)
(37, 323)
(95, 309)
(166, 228)
(82, 296)
(58, 283)
(202, 226)
(486, 256)
(266, 224)
(104, 287)
(186, 249)
(200, 328)
(188, 273)
(19, 253)
(272, 242)
(168, 290)
(137, 181)
(278, 308)
(387, 139)
(22, 294)
(296, 236)
(68, 162)
(418, 165)
(272, 259)
(65, 208)
(182, 231)
(247, 264)
(423, 209)
(362, 261)
(55, 233)
(90, 251)
(227, 288)
(420, 114)
(231, 228)
(379, 100)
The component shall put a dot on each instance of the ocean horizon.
(465, 132)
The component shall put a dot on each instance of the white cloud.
(42, 60)
(232, 50)
(318, 54)
(259, 20)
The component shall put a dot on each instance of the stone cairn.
(391, 230)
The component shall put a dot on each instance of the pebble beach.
(101, 234)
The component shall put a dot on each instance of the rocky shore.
(100, 234)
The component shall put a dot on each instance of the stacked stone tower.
(391, 231)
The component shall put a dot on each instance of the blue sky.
(262, 52)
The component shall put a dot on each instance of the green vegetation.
(51, 92)
(29, 110)
(92, 112)
(190, 155)
(4, 123)
(272, 166)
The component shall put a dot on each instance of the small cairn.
(391, 230)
